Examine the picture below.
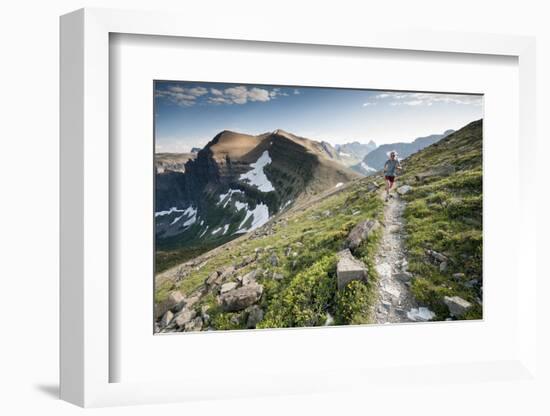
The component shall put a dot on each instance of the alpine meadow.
(286, 206)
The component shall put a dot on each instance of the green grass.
(445, 214)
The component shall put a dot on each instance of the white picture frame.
(85, 182)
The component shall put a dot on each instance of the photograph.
(287, 206)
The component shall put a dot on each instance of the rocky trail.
(395, 302)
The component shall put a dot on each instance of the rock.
(255, 315)
(402, 190)
(190, 301)
(241, 298)
(421, 314)
(194, 325)
(225, 273)
(437, 256)
(258, 250)
(246, 260)
(360, 233)
(274, 260)
(250, 277)
(174, 300)
(444, 170)
(458, 276)
(205, 315)
(371, 187)
(471, 283)
(326, 213)
(356, 213)
(457, 306)
(404, 265)
(166, 318)
(278, 276)
(184, 316)
(349, 268)
(288, 251)
(403, 276)
(226, 287)
(212, 278)
(442, 266)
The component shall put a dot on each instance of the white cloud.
(296, 92)
(368, 103)
(422, 98)
(181, 95)
(242, 94)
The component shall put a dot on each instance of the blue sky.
(189, 114)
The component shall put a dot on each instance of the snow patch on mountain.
(260, 215)
(168, 212)
(256, 177)
(225, 198)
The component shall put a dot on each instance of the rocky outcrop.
(184, 317)
(173, 301)
(360, 233)
(405, 189)
(349, 268)
(255, 315)
(240, 298)
(457, 306)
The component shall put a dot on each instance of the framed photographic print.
(273, 214)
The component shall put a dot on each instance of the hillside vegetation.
(445, 214)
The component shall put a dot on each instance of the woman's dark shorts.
(390, 178)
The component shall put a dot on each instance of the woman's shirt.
(391, 166)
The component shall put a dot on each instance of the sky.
(190, 114)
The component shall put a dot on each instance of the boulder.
(241, 298)
(250, 277)
(194, 325)
(420, 314)
(443, 266)
(278, 276)
(225, 273)
(349, 268)
(457, 306)
(437, 256)
(174, 300)
(226, 287)
(255, 315)
(402, 190)
(403, 276)
(184, 316)
(360, 233)
(166, 318)
(212, 278)
(190, 301)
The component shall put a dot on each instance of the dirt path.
(395, 299)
